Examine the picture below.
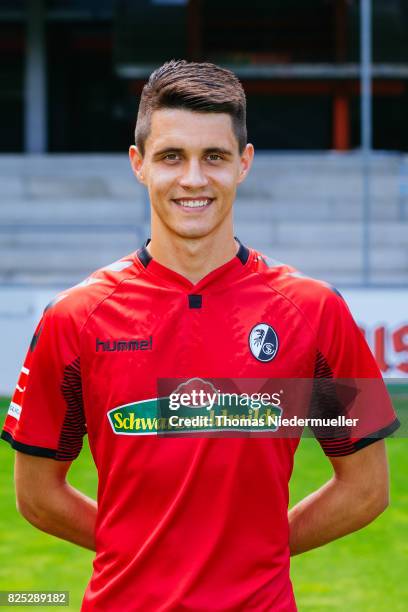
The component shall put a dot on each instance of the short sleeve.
(348, 382)
(46, 415)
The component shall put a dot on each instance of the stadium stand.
(63, 216)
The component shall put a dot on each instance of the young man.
(188, 522)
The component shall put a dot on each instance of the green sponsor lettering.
(135, 418)
(154, 416)
(148, 424)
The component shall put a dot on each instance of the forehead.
(190, 130)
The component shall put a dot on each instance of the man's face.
(191, 168)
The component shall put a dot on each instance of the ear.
(246, 162)
(136, 161)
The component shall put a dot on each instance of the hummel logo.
(124, 345)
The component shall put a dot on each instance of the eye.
(171, 157)
(214, 157)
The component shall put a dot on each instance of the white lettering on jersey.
(14, 410)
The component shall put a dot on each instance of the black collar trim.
(243, 252)
(143, 254)
(145, 258)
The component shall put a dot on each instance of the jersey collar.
(235, 266)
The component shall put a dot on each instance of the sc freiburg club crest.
(263, 342)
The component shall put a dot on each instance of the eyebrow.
(208, 150)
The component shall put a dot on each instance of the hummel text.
(124, 345)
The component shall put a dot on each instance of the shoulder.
(294, 284)
(76, 304)
(319, 303)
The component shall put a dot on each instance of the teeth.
(193, 203)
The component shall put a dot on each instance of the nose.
(193, 176)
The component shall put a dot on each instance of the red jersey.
(183, 523)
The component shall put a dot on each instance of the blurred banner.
(383, 317)
(382, 314)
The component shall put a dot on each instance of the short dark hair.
(200, 87)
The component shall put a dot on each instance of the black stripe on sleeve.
(28, 449)
(322, 368)
(377, 435)
(336, 448)
(324, 404)
(74, 426)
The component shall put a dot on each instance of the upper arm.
(35, 477)
(366, 471)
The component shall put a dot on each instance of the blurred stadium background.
(328, 193)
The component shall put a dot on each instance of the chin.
(193, 232)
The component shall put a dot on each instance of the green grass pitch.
(365, 571)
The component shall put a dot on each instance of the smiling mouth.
(193, 202)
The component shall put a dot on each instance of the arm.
(50, 503)
(356, 494)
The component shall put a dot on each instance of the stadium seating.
(62, 216)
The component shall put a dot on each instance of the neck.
(193, 258)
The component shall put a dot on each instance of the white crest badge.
(263, 342)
